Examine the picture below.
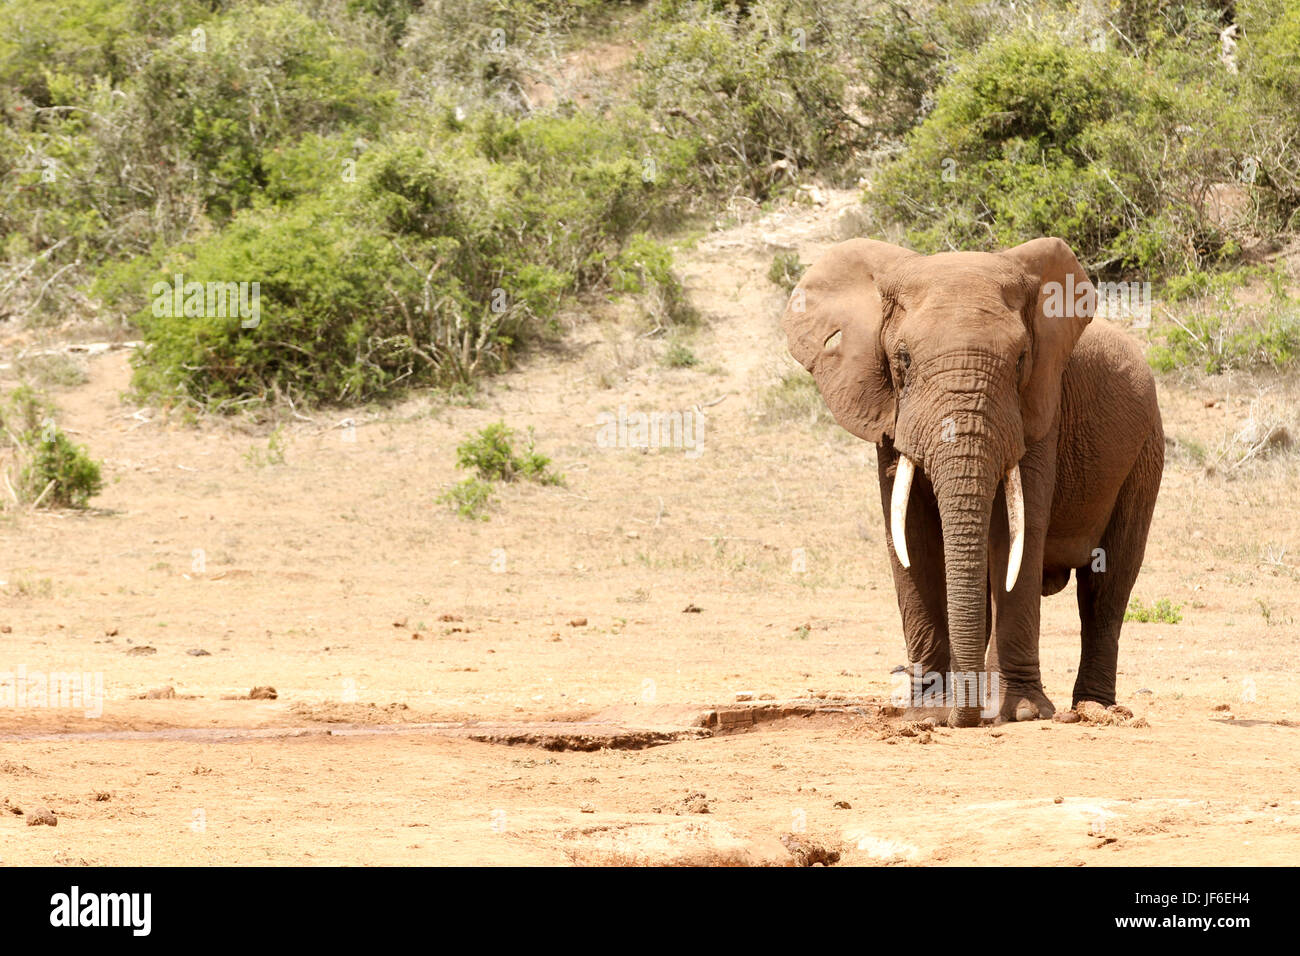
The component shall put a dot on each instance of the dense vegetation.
(418, 187)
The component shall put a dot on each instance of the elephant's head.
(957, 359)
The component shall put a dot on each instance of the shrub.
(645, 268)
(264, 76)
(445, 253)
(492, 455)
(679, 355)
(1215, 331)
(1161, 612)
(757, 87)
(61, 473)
(487, 51)
(786, 270)
(1033, 136)
(1271, 88)
(56, 472)
(91, 38)
(470, 498)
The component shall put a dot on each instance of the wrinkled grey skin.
(967, 365)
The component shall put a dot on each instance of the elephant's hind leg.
(1104, 594)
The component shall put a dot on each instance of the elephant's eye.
(1020, 367)
(904, 358)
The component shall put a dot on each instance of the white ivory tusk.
(1015, 496)
(898, 509)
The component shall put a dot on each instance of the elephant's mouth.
(1015, 516)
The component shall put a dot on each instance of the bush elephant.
(1017, 439)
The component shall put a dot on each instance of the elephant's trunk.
(965, 518)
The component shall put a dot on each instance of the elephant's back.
(1107, 353)
(1109, 412)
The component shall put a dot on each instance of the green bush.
(758, 87)
(492, 455)
(786, 270)
(1270, 70)
(470, 498)
(1220, 340)
(61, 473)
(679, 355)
(486, 51)
(447, 250)
(645, 268)
(89, 38)
(1161, 612)
(1033, 136)
(1211, 328)
(263, 76)
(55, 471)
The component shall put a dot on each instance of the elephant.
(1017, 438)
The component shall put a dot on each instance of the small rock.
(144, 650)
(160, 693)
(695, 802)
(692, 609)
(1065, 717)
(102, 796)
(1059, 800)
(1222, 707)
(110, 632)
(929, 723)
(899, 669)
(42, 818)
(262, 693)
(450, 617)
(6, 629)
(578, 622)
(586, 808)
(200, 652)
(744, 695)
(400, 622)
(1143, 692)
(767, 696)
(842, 805)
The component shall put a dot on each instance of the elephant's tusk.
(898, 509)
(1015, 523)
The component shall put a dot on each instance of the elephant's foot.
(945, 716)
(916, 714)
(1021, 702)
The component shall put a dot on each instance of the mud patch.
(696, 842)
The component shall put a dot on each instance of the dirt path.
(336, 578)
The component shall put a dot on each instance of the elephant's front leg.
(922, 590)
(1012, 664)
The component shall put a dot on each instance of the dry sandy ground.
(296, 575)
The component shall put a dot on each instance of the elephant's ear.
(1060, 305)
(833, 323)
